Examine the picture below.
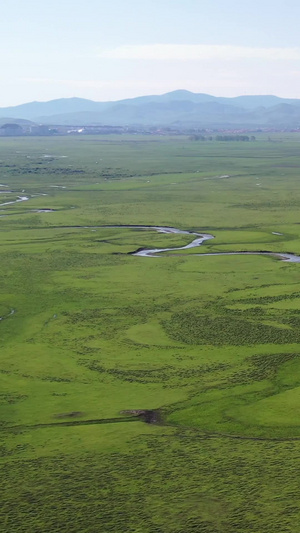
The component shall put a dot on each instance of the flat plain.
(89, 330)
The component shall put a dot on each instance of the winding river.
(200, 239)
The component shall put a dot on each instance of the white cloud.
(197, 52)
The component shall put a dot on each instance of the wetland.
(137, 286)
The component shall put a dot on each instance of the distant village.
(15, 129)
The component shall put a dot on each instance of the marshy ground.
(99, 340)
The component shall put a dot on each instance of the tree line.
(244, 138)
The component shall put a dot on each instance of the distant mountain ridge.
(179, 108)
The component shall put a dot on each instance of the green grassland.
(88, 331)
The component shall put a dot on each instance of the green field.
(89, 331)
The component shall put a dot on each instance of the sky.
(114, 49)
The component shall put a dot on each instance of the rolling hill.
(175, 109)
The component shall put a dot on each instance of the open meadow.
(210, 344)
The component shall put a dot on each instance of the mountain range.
(174, 109)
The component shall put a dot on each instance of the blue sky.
(113, 49)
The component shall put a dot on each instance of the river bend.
(198, 241)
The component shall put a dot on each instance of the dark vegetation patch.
(263, 367)
(46, 170)
(260, 300)
(193, 328)
(180, 484)
(39, 168)
(10, 398)
(292, 319)
(169, 375)
(115, 173)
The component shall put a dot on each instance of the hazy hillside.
(177, 108)
(184, 114)
(11, 120)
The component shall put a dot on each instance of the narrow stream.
(154, 252)
(19, 199)
(24, 199)
(200, 239)
(12, 312)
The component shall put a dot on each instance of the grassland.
(89, 330)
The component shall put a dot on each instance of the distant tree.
(243, 138)
(196, 137)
